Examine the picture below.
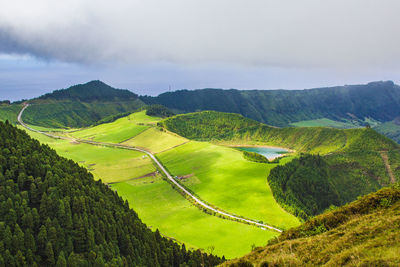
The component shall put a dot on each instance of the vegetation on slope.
(119, 130)
(162, 207)
(302, 186)
(324, 122)
(53, 212)
(91, 91)
(340, 107)
(282, 107)
(352, 160)
(80, 105)
(253, 156)
(390, 129)
(221, 176)
(217, 126)
(363, 233)
(158, 111)
(9, 112)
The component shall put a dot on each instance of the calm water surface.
(268, 152)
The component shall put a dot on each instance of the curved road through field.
(168, 175)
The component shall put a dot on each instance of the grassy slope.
(224, 178)
(119, 130)
(9, 112)
(159, 206)
(228, 127)
(108, 164)
(75, 114)
(324, 122)
(389, 129)
(156, 140)
(363, 233)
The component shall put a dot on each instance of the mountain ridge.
(90, 91)
(282, 107)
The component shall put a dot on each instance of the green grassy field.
(324, 122)
(108, 164)
(119, 130)
(155, 140)
(389, 129)
(221, 176)
(160, 206)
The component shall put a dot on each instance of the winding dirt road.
(168, 175)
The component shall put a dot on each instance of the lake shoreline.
(263, 146)
(270, 152)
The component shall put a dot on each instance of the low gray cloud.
(353, 34)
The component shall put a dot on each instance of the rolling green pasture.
(108, 164)
(160, 206)
(324, 122)
(221, 176)
(119, 130)
(155, 140)
(46, 129)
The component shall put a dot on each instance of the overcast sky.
(148, 45)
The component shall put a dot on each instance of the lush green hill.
(158, 111)
(390, 129)
(54, 213)
(81, 105)
(91, 91)
(363, 233)
(230, 127)
(9, 112)
(377, 100)
(352, 162)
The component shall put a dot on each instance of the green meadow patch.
(155, 140)
(105, 163)
(324, 122)
(221, 176)
(161, 207)
(119, 130)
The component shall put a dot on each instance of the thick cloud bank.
(284, 33)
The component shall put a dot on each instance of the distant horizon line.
(206, 88)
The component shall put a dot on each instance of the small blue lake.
(268, 152)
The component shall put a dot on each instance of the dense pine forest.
(53, 213)
(303, 186)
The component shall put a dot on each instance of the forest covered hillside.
(53, 213)
(379, 101)
(352, 162)
(80, 105)
(365, 232)
(91, 91)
